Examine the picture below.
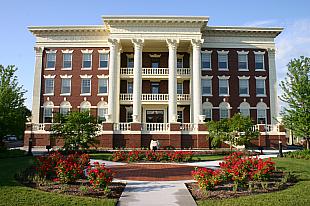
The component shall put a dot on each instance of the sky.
(16, 42)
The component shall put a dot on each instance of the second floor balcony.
(156, 72)
(155, 98)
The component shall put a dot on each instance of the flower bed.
(158, 156)
(238, 175)
(71, 174)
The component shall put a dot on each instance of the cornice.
(59, 30)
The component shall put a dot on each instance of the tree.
(237, 130)
(13, 113)
(296, 95)
(78, 130)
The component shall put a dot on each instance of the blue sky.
(16, 42)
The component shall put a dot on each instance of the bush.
(300, 154)
(99, 176)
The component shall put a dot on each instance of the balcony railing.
(156, 71)
(155, 97)
(188, 127)
(155, 127)
(122, 126)
(38, 127)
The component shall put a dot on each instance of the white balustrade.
(126, 71)
(188, 127)
(154, 97)
(155, 71)
(183, 97)
(183, 71)
(38, 127)
(122, 126)
(126, 97)
(156, 127)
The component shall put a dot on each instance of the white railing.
(155, 127)
(266, 127)
(126, 71)
(155, 71)
(38, 127)
(126, 97)
(154, 97)
(183, 71)
(188, 127)
(122, 126)
(183, 97)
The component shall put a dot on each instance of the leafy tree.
(296, 95)
(13, 113)
(237, 130)
(78, 130)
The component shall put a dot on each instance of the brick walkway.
(153, 172)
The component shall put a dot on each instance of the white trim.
(243, 52)
(259, 52)
(67, 51)
(102, 76)
(63, 60)
(206, 68)
(51, 51)
(223, 77)
(155, 55)
(91, 61)
(86, 76)
(261, 77)
(49, 76)
(207, 77)
(103, 94)
(66, 76)
(222, 52)
(243, 77)
(104, 51)
(247, 60)
(87, 51)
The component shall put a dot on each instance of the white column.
(172, 86)
(118, 85)
(191, 85)
(137, 80)
(37, 85)
(114, 45)
(196, 79)
(273, 86)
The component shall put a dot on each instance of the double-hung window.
(206, 85)
(129, 87)
(180, 62)
(208, 114)
(206, 60)
(180, 88)
(67, 60)
(243, 61)
(102, 111)
(86, 86)
(259, 61)
(243, 87)
(65, 86)
(223, 60)
(223, 87)
(49, 86)
(261, 116)
(87, 60)
(102, 86)
(130, 62)
(260, 87)
(103, 60)
(50, 60)
(48, 115)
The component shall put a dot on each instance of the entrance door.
(155, 116)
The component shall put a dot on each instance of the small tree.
(296, 95)
(13, 112)
(237, 130)
(78, 130)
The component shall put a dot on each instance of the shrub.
(300, 154)
(46, 165)
(99, 176)
(119, 156)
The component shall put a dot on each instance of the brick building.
(155, 77)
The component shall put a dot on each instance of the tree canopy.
(296, 95)
(13, 113)
(77, 129)
(237, 130)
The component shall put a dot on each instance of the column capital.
(113, 42)
(38, 50)
(197, 42)
(138, 42)
(172, 43)
(271, 50)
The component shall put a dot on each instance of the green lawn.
(297, 195)
(101, 156)
(12, 193)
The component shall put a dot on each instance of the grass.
(295, 195)
(204, 157)
(12, 153)
(12, 193)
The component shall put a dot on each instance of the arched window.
(261, 113)
(85, 106)
(102, 110)
(48, 112)
(207, 111)
(244, 109)
(224, 110)
(65, 107)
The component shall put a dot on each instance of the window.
(65, 86)
(180, 116)
(129, 114)
(102, 86)
(103, 60)
(222, 61)
(224, 110)
(64, 110)
(180, 62)
(223, 87)
(180, 88)
(155, 87)
(85, 106)
(102, 113)
(243, 87)
(207, 111)
(130, 62)
(206, 87)
(51, 60)
(67, 60)
(48, 115)
(49, 86)
(259, 61)
(244, 109)
(129, 87)
(261, 116)
(206, 60)
(85, 87)
(155, 62)
(87, 60)
(243, 61)
(260, 87)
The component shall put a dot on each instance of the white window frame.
(259, 53)
(248, 86)
(107, 80)
(219, 53)
(47, 54)
(260, 78)
(65, 77)
(207, 106)
(224, 105)
(246, 60)
(63, 59)
(182, 91)
(83, 108)
(207, 78)
(128, 111)
(210, 60)
(227, 79)
(84, 77)
(91, 61)
(48, 105)
(128, 87)
(245, 106)
(180, 56)
(104, 106)
(103, 51)
(49, 77)
(182, 115)
(65, 105)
